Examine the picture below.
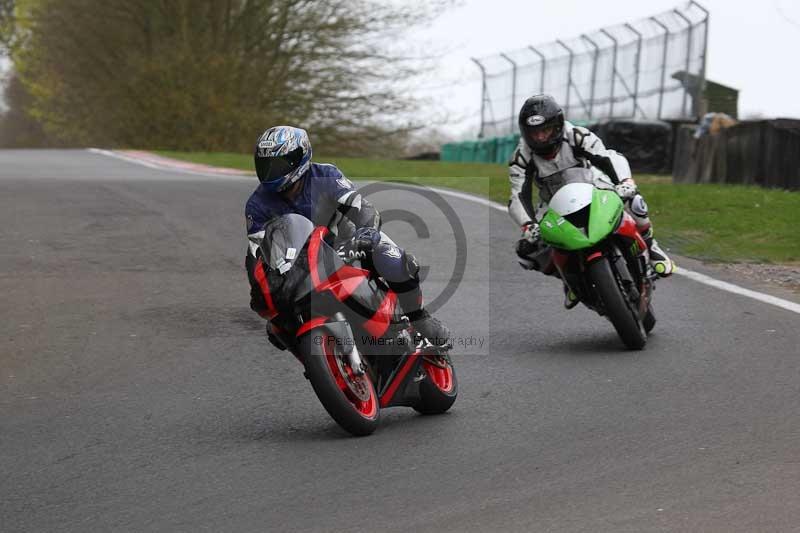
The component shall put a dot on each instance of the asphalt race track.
(139, 394)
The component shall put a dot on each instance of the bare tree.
(211, 74)
(7, 26)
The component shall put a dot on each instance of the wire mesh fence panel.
(653, 68)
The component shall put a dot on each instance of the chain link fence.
(653, 68)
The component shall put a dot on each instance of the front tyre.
(649, 321)
(439, 389)
(350, 399)
(624, 319)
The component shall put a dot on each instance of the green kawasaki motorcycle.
(602, 258)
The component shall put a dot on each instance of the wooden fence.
(764, 152)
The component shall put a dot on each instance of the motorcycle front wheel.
(618, 310)
(649, 321)
(349, 398)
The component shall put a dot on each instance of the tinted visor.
(271, 168)
(541, 135)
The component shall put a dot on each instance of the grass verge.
(711, 222)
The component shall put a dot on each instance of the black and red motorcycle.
(343, 324)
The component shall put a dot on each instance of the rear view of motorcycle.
(344, 325)
(601, 257)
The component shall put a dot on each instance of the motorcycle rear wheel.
(350, 400)
(618, 310)
(439, 389)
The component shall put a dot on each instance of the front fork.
(335, 329)
(580, 261)
(639, 294)
(572, 266)
(350, 349)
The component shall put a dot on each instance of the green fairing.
(605, 211)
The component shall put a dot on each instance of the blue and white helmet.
(282, 156)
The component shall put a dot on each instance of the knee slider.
(393, 263)
(639, 206)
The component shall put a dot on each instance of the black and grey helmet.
(541, 124)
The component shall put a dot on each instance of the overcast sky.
(752, 46)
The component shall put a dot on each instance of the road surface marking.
(680, 271)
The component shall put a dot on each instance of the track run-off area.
(139, 392)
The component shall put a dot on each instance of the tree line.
(207, 74)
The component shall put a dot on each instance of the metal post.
(663, 64)
(638, 66)
(705, 47)
(688, 64)
(483, 96)
(569, 72)
(613, 71)
(513, 90)
(544, 62)
(594, 73)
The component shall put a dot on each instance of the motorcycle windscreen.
(595, 220)
(571, 197)
(284, 237)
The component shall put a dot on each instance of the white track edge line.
(691, 274)
(736, 289)
(167, 168)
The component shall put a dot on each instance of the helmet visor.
(273, 168)
(541, 135)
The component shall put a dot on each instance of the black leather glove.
(528, 245)
(626, 189)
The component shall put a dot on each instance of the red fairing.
(379, 323)
(399, 378)
(344, 281)
(593, 256)
(261, 279)
(627, 228)
(313, 253)
(311, 324)
(341, 283)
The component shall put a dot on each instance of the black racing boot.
(431, 328)
(570, 298)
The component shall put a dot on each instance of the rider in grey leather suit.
(549, 149)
